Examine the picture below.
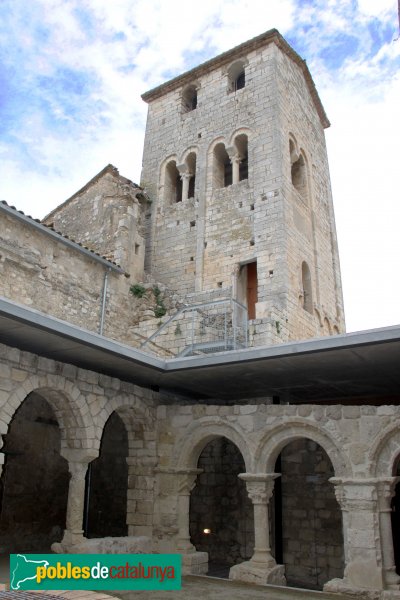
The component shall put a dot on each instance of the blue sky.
(72, 71)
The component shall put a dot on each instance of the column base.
(69, 540)
(341, 586)
(195, 563)
(258, 573)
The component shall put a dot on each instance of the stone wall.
(108, 216)
(42, 273)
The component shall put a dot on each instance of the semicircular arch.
(283, 434)
(189, 446)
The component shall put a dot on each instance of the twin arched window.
(230, 164)
(180, 180)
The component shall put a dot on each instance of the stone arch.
(166, 188)
(130, 409)
(278, 437)
(65, 399)
(240, 131)
(385, 452)
(190, 150)
(189, 446)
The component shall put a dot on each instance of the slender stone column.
(262, 567)
(192, 561)
(368, 546)
(185, 185)
(77, 464)
(235, 159)
(186, 482)
(386, 489)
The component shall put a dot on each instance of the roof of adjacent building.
(356, 368)
(110, 170)
(271, 36)
(11, 211)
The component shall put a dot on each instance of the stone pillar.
(140, 495)
(368, 546)
(261, 568)
(193, 562)
(78, 462)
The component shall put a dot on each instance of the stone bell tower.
(236, 167)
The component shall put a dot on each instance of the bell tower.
(236, 167)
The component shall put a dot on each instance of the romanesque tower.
(236, 167)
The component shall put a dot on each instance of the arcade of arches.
(299, 495)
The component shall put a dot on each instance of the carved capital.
(259, 486)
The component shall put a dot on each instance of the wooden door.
(252, 293)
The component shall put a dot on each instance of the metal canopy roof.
(363, 366)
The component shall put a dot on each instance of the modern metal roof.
(353, 367)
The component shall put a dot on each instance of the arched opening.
(172, 184)
(189, 98)
(395, 505)
(35, 479)
(236, 76)
(298, 172)
(241, 143)
(306, 287)
(327, 327)
(222, 171)
(191, 163)
(221, 513)
(107, 484)
(307, 520)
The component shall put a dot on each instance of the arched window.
(189, 98)
(172, 184)
(222, 168)
(298, 171)
(307, 288)
(236, 76)
(241, 144)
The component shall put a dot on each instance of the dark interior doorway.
(221, 513)
(34, 481)
(107, 484)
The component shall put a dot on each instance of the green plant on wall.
(160, 309)
(137, 290)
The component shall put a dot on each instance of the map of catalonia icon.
(24, 570)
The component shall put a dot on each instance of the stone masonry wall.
(309, 220)
(108, 216)
(41, 273)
